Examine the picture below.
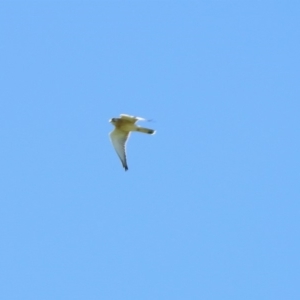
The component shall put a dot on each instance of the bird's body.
(123, 126)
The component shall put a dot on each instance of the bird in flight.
(119, 136)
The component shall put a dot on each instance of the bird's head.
(113, 120)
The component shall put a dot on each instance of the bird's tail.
(145, 130)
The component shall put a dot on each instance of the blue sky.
(209, 208)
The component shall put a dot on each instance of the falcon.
(119, 136)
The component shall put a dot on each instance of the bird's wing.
(131, 118)
(118, 138)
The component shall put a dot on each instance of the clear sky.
(209, 208)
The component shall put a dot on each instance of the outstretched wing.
(118, 139)
(131, 118)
